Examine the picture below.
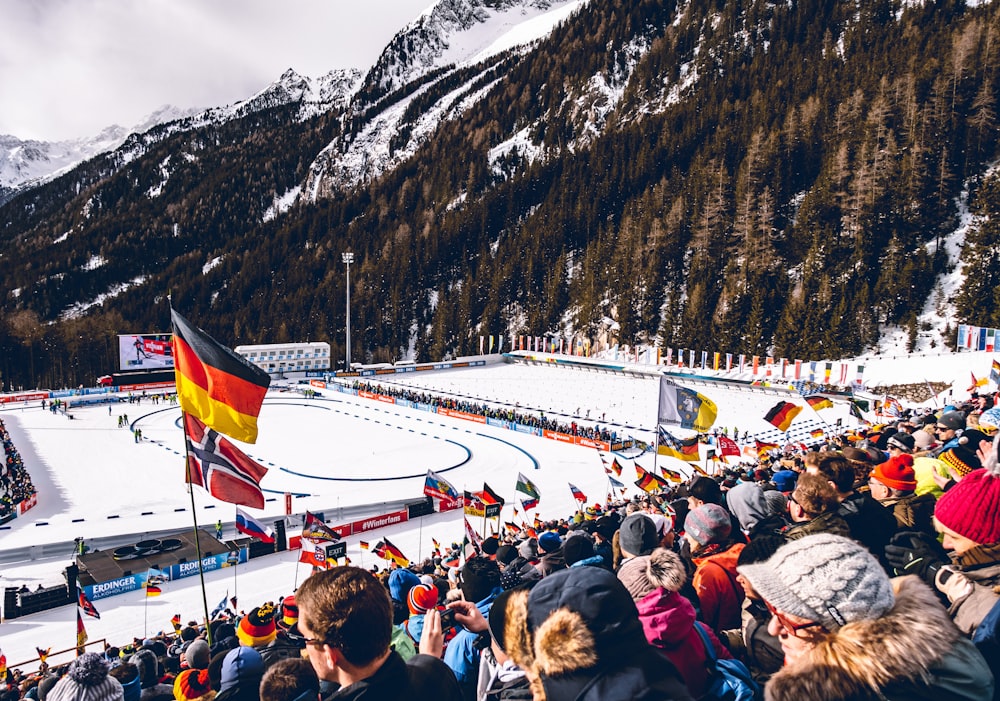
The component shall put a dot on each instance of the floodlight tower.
(348, 258)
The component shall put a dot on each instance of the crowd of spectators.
(15, 482)
(864, 568)
(539, 421)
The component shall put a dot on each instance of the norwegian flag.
(86, 605)
(220, 467)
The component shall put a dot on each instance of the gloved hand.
(910, 552)
(954, 585)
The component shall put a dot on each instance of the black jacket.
(421, 678)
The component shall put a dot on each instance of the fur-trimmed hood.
(895, 651)
(577, 636)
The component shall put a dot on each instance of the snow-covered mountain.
(25, 163)
(30, 161)
(454, 43)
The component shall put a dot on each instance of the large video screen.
(150, 351)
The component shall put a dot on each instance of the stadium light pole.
(348, 258)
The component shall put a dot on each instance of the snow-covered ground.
(338, 451)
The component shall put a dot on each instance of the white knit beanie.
(87, 680)
(823, 578)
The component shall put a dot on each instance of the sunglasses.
(295, 635)
(787, 625)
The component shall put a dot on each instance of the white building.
(288, 357)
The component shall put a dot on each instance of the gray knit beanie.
(709, 523)
(197, 654)
(825, 578)
(87, 680)
(528, 549)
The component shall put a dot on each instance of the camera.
(447, 619)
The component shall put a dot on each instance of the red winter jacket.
(719, 593)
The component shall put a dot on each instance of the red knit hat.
(289, 612)
(422, 598)
(972, 507)
(192, 684)
(897, 473)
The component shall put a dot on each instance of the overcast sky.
(70, 68)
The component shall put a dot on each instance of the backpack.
(986, 638)
(728, 680)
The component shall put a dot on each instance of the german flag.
(616, 467)
(817, 433)
(764, 446)
(395, 554)
(363, 544)
(781, 415)
(651, 483)
(153, 590)
(672, 475)
(490, 497)
(817, 402)
(215, 384)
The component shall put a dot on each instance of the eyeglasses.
(791, 628)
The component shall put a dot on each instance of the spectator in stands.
(668, 619)
(346, 619)
(550, 545)
(848, 632)
(753, 642)
(242, 669)
(480, 585)
(87, 680)
(578, 637)
(292, 679)
(812, 507)
(893, 484)
(707, 531)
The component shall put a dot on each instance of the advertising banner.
(462, 415)
(145, 351)
(209, 564)
(390, 519)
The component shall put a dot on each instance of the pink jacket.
(668, 620)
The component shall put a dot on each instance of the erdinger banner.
(145, 351)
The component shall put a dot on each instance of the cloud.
(72, 67)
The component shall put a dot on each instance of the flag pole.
(194, 520)
(145, 606)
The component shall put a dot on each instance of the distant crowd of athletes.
(15, 482)
(540, 421)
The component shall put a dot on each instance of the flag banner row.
(977, 338)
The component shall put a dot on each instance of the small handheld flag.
(577, 494)
(219, 608)
(248, 525)
(315, 529)
(525, 486)
(782, 414)
(438, 487)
